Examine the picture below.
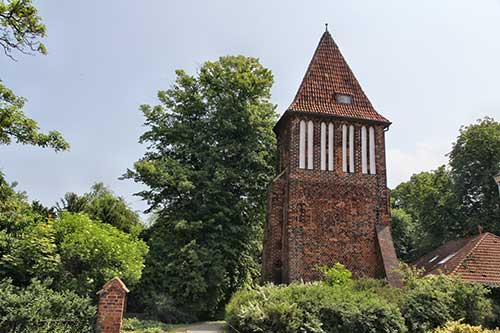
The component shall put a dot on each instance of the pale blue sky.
(429, 66)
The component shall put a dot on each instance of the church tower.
(329, 202)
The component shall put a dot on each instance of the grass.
(134, 325)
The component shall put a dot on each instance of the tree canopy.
(73, 251)
(474, 160)
(209, 159)
(21, 30)
(101, 204)
(452, 201)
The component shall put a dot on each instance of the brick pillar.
(112, 302)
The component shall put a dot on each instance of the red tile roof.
(475, 259)
(329, 74)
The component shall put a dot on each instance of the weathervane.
(326, 26)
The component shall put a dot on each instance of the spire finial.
(326, 27)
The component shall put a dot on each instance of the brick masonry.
(112, 304)
(320, 217)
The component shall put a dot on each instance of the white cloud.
(401, 165)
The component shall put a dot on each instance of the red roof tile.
(329, 74)
(475, 259)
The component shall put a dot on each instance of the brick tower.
(329, 201)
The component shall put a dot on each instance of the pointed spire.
(327, 76)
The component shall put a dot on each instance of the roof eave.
(289, 112)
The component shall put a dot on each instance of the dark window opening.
(343, 99)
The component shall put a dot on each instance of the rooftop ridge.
(328, 74)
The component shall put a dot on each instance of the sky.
(429, 66)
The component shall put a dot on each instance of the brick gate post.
(112, 303)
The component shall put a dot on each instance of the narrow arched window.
(302, 145)
(373, 169)
(351, 148)
(330, 147)
(310, 144)
(344, 148)
(364, 150)
(323, 146)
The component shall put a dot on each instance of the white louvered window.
(344, 148)
(364, 150)
(302, 145)
(310, 144)
(351, 148)
(373, 169)
(323, 146)
(330, 147)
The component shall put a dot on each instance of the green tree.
(209, 160)
(474, 160)
(101, 204)
(92, 253)
(27, 248)
(72, 251)
(404, 234)
(430, 201)
(21, 30)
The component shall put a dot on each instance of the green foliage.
(37, 308)
(134, 325)
(27, 247)
(404, 234)
(15, 125)
(315, 307)
(429, 200)
(449, 203)
(101, 204)
(20, 27)
(92, 253)
(459, 327)
(73, 251)
(337, 275)
(210, 158)
(474, 160)
(433, 300)
(21, 30)
(364, 305)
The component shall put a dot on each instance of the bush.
(433, 300)
(134, 325)
(458, 327)
(37, 308)
(337, 275)
(366, 305)
(92, 253)
(315, 307)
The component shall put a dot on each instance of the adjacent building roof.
(475, 259)
(328, 75)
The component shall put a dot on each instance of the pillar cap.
(114, 283)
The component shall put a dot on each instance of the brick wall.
(323, 217)
(112, 304)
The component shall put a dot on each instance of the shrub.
(314, 307)
(92, 253)
(37, 308)
(458, 327)
(433, 300)
(134, 325)
(337, 275)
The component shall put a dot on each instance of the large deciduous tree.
(448, 203)
(71, 251)
(474, 160)
(101, 204)
(21, 30)
(209, 159)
